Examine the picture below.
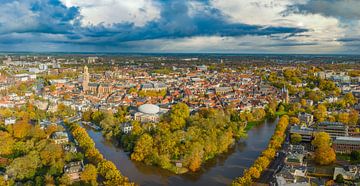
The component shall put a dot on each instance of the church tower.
(86, 79)
(285, 95)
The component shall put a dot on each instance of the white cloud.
(322, 29)
(108, 12)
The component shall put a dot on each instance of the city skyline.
(212, 26)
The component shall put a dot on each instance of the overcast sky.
(228, 26)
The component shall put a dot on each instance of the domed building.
(149, 113)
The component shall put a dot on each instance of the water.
(219, 171)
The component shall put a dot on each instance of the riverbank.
(267, 156)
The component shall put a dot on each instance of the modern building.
(346, 144)
(305, 132)
(334, 129)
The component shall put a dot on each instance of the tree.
(294, 120)
(6, 143)
(143, 147)
(296, 138)
(24, 167)
(89, 175)
(254, 172)
(51, 154)
(353, 117)
(350, 99)
(21, 129)
(65, 180)
(86, 116)
(259, 114)
(321, 139)
(52, 88)
(324, 155)
(343, 118)
(355, 155)
(281, 108)
(195, 157)
(321, 112)
(178, 115)
(339, 178)
(97, 116)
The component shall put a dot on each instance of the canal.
(218, 171)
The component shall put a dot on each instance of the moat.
(218, 171)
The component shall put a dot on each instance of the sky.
(184, 26)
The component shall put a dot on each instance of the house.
(350, 172)
(292, 176)
(60, 137)
(306, 118)
(74, 169)
(295, 155)
(45, 124)
(70, 148)
(126, 127)
(10, 121)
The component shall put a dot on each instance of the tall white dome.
(149, 109)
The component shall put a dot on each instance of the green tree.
(339, 178)
(296, 138)
(24, 167)
(178, 115)
(355, 155)
(51, 154)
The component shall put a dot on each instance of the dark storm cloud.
(342, 9)
(52, 22)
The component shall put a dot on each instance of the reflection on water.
(218, 171)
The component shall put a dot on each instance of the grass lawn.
(280, 113)
(251, 124)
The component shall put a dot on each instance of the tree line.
(105, 168)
